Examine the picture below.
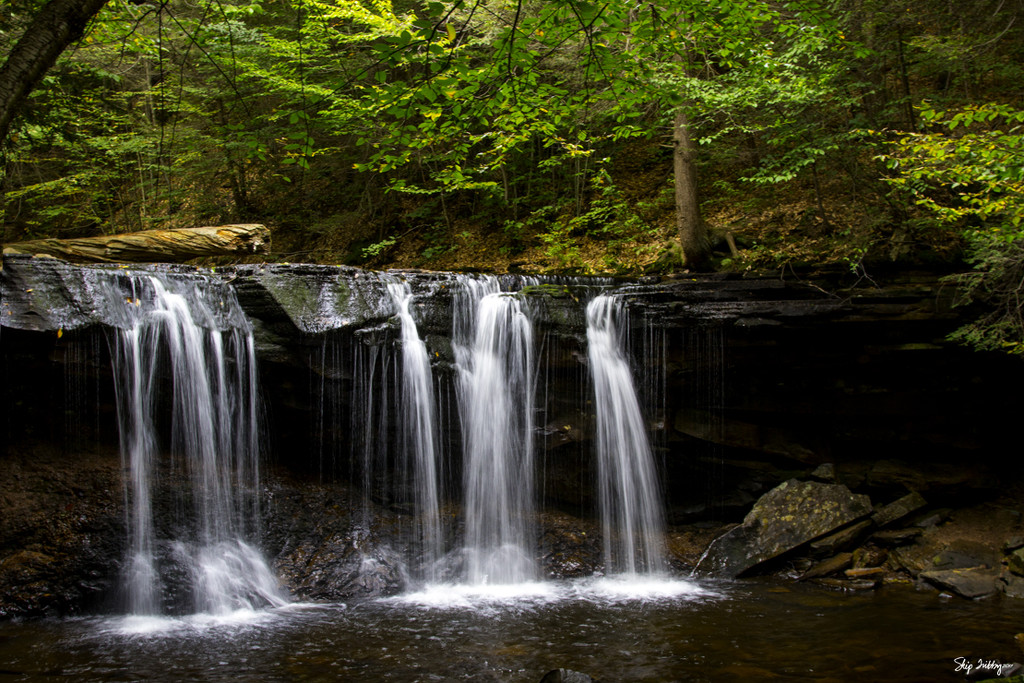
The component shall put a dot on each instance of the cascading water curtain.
(629, 496)
(213, 403)
(494, 352)
(419, 433)
(135, 395)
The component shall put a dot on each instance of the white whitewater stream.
(186, 353)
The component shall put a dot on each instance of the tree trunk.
(693, 234)
(58, 24)
(153, 245)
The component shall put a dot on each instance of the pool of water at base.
(614, 630)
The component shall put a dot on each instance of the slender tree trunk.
(236, 171)
(58, 24)
(818, 195)
(908, 105)
(693, 234)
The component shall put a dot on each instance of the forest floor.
(794, 227)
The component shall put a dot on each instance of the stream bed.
(671, 630)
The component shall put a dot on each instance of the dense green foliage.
(968, 171)
(538, 135)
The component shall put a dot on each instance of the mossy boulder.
(1016, 561)
(785, 518)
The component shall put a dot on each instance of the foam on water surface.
(599, 590)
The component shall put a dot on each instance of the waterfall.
(419, 434)
(190, 353)
(628, 492)
(494, 355)
(138, 450)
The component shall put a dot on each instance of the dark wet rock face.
(787, 517)
(570, 547)
(327, 546)
(61, 532)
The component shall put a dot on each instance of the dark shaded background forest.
(555, 136)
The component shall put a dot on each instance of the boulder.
(933, 553)
(1015, 560)
(825, 473)
(898, 509)
(964, 554)
(972, 583)
(788, 516)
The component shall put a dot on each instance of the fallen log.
(168, 246)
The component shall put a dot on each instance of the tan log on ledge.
(168, 246)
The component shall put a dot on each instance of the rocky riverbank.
(62, 539)
(824, 533)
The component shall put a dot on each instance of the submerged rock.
(785, 518)
(976, 582)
